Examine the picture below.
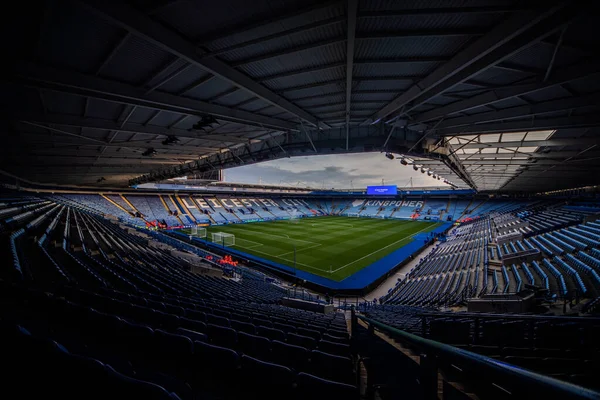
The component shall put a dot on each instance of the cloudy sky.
(340, 171)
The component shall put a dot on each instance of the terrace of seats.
(144, 320)
(468, 265)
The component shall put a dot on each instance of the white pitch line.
(299, 263)
(377, 251)
(251, 247)
(304, 248)
(258, 233)
(334, 223)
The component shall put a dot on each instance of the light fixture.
(205, 121)
(423, 170)
(149, 152)
(170, 140)
(430, 173)
(415, 167)
(390, 156)
(403, 161)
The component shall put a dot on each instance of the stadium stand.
(133, 266)
(84, 267)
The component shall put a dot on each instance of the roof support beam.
(303, 28)
(568, 74)
(523, 111)
(528, 125)
(444, 11)
(85, 85)
(501, 42)
(352, 10)
(261, 21)
(143, 26)
(95, 123)
(534, 143)
(75, 140)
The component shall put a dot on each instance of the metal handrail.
(486, 366)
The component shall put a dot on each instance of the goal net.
(198, 231)
(222, 238)
(294, 215)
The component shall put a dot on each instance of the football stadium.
(341, 199)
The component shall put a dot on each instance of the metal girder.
(528, 125)
(287, 74)
(71, 153)
(583, 141)
(501, 42)
(352, 11)
(580, 70)
(122, 167)
(552, 155)
(86, 85)
(522, 111)
(441, 10)
(290, 50)
(143, 26)
(80, 140)
(408, 33)
(262, 21)
(96, 123)
(328, 141)
(509, 162)
(277, 35)
(402, 60)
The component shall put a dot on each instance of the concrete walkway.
(389, 283)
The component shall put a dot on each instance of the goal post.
(222, 238)
(198, 231)
(294, 215)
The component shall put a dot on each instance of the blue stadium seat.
(330, 366)
(295, 357)
(243, 327)
(302, 341)
(193, 335)
(338, 349)
(272, 334)
(221, 335)
(253, 345)
(266, 380)
(316, 388)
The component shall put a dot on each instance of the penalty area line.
(377, 251)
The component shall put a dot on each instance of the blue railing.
(486, 376)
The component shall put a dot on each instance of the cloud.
(340, 171)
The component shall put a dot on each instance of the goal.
(198, 231)
(222, 238)
(294, 215)
(356, 215)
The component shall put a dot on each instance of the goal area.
(198, 231)
(222, 238)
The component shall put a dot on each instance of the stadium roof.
(503, 94)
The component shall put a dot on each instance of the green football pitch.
(332, 247)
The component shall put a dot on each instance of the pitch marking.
(377, 251)
(305, 248)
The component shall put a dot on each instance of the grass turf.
(341, 245)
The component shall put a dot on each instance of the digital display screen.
(382, 190)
